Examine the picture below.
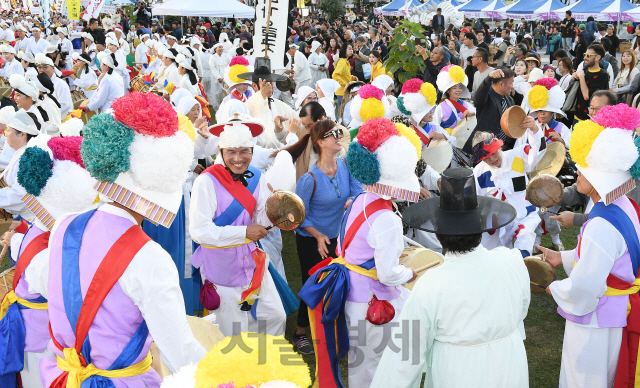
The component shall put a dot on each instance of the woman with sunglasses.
(326, 190)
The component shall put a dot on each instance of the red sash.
(628, 360)
(113, 265)
(235, 188)
(459, 107)
(239, 96)
(36, 246)
(423, 137)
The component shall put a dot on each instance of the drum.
(205, 332)
(77, 96)
(137, 84)
(420, 260)
(86, 116)
(438, 155)
(544, 191)
(511, 120)
(541, 274)
(463, 130)
(6, 282)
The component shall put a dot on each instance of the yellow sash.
(12, 298)
(78, 373)
(91, 88)
(246, 241)
(633, 290)
(371, 273)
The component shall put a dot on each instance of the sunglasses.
(589, 55)
(337, 133)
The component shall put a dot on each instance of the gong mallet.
(289, 218)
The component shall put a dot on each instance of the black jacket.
(489, 111)
(438, 21)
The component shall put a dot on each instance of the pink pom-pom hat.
(375, 132)
(370, 91)
(146, 113)
(412, 86)
(239, 60)
(546, 82)
(66, 148)
(618, 116)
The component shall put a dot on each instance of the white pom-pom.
(75, 56)
(556, 97)
(185, 378)
(69, 189)
(354, 109)
(444, 80)
(41, 141)
(397, 157)
(282, 173)
(161, 164)
(71, 127)
(31, 74)
(612, 151)
(16, 81)
(414, 102)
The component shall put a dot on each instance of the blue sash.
(623, 224)
(231, 213)
(73, 300)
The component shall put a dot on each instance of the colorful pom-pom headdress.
(605, 153)
(417, 99)
(451, 76)
(52, 173)
(384, 159)
(546, 95)
(238, 65)
(139, 156)
(230, 366)
(368, 104)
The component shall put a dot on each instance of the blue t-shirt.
(325, 209)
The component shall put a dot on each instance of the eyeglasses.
(337, 133)
(334, 182)
(589, 55)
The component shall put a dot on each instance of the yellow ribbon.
(633, 290)
(246, 241)
(91, 88)
(371, 273)
(78, 373)
(12, 298)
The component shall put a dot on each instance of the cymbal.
(552, 161)
(541, 274)
(284, 206)
(544, 191)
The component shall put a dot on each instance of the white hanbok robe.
(9, 69)
(316, 60)
(21, 44)
(141, 54)
(52, 126)
(463, 325)
(259, 109)
(151, 274)
(34, 47)
(218, 65)
(122, 70)
(87, 83)
(62, 93)
(11, 196)
(185, 83)
(109, 89)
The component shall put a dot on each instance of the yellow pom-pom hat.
(238, 65)
(417, 98)
(546, 95)
(450, 76)
(604, 151)
(370, 103)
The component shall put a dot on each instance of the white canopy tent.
(215, 8)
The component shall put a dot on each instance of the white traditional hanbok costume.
(217, 64)
(109, 89)
(316, 60)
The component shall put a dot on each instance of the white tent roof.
(215, 8)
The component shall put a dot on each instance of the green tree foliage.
(332, 8)
(402, 51)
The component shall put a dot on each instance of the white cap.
(42, 59)
(107, 59)
(23, 122)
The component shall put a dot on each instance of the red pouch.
(209, 296)
(380, 311)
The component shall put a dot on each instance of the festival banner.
(73, 7)
(93, 9)
(271, 31)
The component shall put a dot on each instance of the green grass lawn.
(544, 327)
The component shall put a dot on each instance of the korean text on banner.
(270, 42)
(73, 7)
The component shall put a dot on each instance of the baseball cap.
(582, 27)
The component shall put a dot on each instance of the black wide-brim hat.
(263, 72)
(459, 211)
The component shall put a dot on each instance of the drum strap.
(76, 361)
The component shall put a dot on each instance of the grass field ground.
(544, 327)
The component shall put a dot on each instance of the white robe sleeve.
(429, 179)
(601, 246)
(385, 237)
(101, 95)
(201, 213)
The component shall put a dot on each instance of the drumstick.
(536, 284)
(289, 218)
(410, 241)
(425, 267)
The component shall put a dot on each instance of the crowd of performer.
(138, 160)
